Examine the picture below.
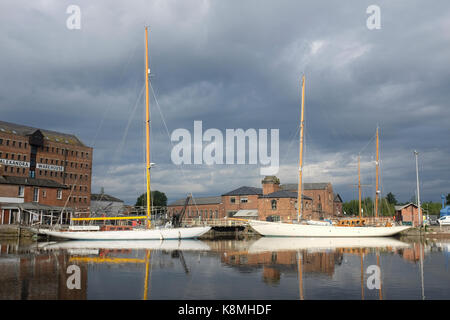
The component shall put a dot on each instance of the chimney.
(270, 184)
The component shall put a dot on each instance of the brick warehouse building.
(271, 202)
(55, 168)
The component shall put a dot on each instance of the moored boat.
(281, 229)
(312, 228)
(166, 232)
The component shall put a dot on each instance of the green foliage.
(391, 198)
(432, 208)
(367, 204)
(350, 207)
(157, 198)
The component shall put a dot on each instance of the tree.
(447, 200)
(391, 198)
(157, 198)
(351, 207)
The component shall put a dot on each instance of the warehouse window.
(35, 194)
(232, 200)
(244, 200)
(21, 191)
(274, 204)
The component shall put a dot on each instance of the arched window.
(274, 204)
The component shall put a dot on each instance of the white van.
(443, 221)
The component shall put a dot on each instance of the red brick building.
(20, 196)
(271, 202)
(276, 204)
(200, 208)
(408, 213)
(48, 155)
(337, 203)
(243, 198)
(325, 202)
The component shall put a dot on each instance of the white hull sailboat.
(318, 228)
(143, 234)
(135, 234)
(280, 229)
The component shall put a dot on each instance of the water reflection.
(264, 268)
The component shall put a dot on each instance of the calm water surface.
(264, 268)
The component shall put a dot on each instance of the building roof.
(246, 214)
(397, 208)
(244, 191)
(197, 201)
(306, 186)
(337, 198)
(104, 197)
(49, 135)
(25, 181)
(32, 206)
(284, 194)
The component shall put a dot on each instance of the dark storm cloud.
(236, 64)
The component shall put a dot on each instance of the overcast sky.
(238, 64)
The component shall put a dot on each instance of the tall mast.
(147, 129)
(359, 186)
(376, 181)
(299, 196)
(418, 189)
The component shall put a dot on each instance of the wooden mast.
(147, 130)
(299, 196)
(359, 186)
(147, 259)
(380, 291)
(300, 275)
(376, 181)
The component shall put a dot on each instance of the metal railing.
(222, 222)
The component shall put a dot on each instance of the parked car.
(444, 221)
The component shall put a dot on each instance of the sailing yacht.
(319, 229)
(167, 232)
